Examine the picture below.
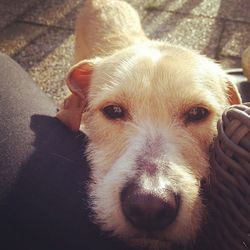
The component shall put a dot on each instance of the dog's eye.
(113, 112)
(196, 114)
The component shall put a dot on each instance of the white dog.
(150, 111)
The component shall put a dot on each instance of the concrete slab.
(41, 38)
(41, 47)
(10, 10)
(237, 10)
(230, 62)
(59, 13)
(18, 35)
(235, 38)
(198, 33)
(48, 60)
(207, 8)
(50, 73)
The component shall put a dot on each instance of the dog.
(149, 110)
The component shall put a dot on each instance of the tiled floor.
(39, 34)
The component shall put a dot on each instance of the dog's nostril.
(147, 211)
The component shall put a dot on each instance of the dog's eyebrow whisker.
(127, 63)
(108, 78)
(113, 82)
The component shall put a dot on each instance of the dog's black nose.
(148, 211)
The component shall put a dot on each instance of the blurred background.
(39, 34)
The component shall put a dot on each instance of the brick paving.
(39, 34)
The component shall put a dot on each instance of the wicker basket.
(229, 196)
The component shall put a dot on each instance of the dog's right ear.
(79, 78)
(78, 81)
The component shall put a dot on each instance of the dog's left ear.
(233, 95)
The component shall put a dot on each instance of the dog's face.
(151, 114)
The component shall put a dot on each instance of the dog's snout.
(148, 211)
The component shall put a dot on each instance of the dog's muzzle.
(148, 210)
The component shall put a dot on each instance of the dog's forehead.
(156, 74)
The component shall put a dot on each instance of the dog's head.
(150, 116)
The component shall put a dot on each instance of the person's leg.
(42, 172)
(19, 100)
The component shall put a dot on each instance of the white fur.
(157, 84)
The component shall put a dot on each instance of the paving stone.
(238, 10)
(235, 38)
(46, 52)
(18, 35)
(228, 62)
(207, 8)
(11, 9)
(48, 60)
(50, 73)
(198, 33)
(41, 47)
(53, 12)
(69, 20)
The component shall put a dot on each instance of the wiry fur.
(157, 83)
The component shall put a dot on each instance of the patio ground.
(39, 34)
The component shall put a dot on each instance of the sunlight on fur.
(150, 114)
